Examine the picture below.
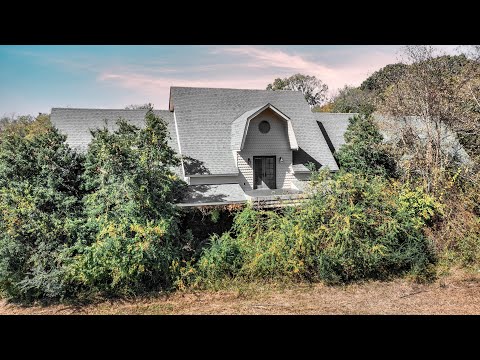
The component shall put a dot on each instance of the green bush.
(224, 258)
(128, 172)
(40, 209)
(364, 151)
(131, 235)
(104, 223)
(373, 228)
(125, 257)
(468, 246)
(354, 227)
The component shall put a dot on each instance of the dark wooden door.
(264, 172)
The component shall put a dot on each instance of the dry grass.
(457, 293)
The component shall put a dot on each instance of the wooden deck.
(232, 194)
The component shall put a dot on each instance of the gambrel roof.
(207, 125)
(205, 117)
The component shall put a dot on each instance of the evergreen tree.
(129, 241)
(39, 208)
(364, 150)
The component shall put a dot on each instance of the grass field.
(457, 293)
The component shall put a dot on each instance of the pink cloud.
(254, 68)
(358, 68)
(277, 58)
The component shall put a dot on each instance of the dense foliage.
(425, 83)
(354, 227)
(349, 99)
(381, 79)
(128, 240)
(39, 208)
(364, 150)
(24, 125)
(71, 224)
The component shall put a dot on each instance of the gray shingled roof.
(335, 125)
(76, 123)
(238, 127)
(213, 195)
(205, 115)
(391, 129)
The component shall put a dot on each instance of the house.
(235, 144)
(238, 145)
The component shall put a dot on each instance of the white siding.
(273, 143)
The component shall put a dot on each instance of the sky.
(33, 79)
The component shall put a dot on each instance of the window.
(264, 127)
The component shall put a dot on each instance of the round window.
(264, 127)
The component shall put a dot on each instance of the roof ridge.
(101, 109)
(220, 88)
(333, 113)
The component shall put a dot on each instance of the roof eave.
(170, 102)
(302, 172)
(217, 203)
(211, 175)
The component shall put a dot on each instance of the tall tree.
(350, 99)
(40, 206)
(314, 90)
(383, 78)
(441, 91)
(128, 172)
(129, 238)
(364, 151)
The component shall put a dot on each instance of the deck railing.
(277, 201)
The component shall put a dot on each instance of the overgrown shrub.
(354, 227)
(40, 209)
(131, 236)
(224, 258)
(373, 228)
(457, 237)
(106, 223)
(125, 257)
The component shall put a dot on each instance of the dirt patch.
(458, 293)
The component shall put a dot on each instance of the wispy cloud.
(336, 76)
(273, 58)
(116, 76)
(68, 63)
(250, 67)
(243, 67)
